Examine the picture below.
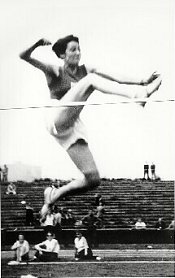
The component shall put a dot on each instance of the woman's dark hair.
(50, 233)
(78, 232)
(60, 46)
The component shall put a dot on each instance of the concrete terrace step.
(124, 200)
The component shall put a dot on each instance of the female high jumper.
(75, 83)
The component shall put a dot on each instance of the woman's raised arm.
(26, 55)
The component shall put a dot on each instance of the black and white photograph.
(87, 153)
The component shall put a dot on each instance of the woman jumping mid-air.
(71, 83)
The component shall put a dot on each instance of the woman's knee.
(90, 79)
(93, 178)
(87, 83)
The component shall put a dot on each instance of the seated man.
(11, 189)
(21, 247)
(160, 224)
(140, 225)
(64, 217)
(171, 225)
(47, 250)
(48, 221)
(71, 219)
(82, 250)
(98, 199)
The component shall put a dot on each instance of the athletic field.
(129, 261)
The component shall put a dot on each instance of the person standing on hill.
(146, 172)
(153, 171)
(5, 173)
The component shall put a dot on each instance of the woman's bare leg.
(84, 88)
(126, 90)
(83, 159)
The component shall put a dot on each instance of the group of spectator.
(159, 225)
(4, 173)
(66, 218)
(48, 250)
(58, 217)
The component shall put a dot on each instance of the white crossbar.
(86, 103)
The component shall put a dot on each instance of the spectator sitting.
(100, 213)
(71, 219)
(78, 224)
(160, 224)
(37, 221)
(64, 217)
(47, 250)
(57, 215)
(171, 225)
(140, 225)
(29, 214)
(57, 222)
(21, 247)
(55, 184)
(11, 189)
(98, 199)
(48, 221)
(82, 250)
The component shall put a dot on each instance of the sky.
(132, 37)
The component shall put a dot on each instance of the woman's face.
(72, 54)
(79, 235)
(49, 237)
(21, 238)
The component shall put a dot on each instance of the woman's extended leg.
(83, 159)
(84, 88)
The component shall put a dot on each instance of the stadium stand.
(125, 201)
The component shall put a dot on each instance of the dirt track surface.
(114, 263)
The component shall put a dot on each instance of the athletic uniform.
(59, 87)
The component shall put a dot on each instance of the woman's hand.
(43, 42)
(26, 55)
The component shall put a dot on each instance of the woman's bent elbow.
(23, 56)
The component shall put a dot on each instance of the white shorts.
(69, 135)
